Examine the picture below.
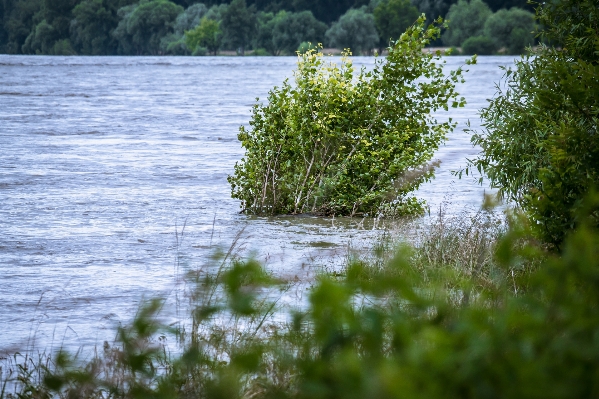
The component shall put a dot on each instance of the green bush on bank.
(343, 143)
(540, 144)
(476, 28)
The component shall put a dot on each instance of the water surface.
(105, 159)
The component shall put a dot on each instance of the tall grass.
(471, 308)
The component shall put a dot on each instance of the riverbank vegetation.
(471, 309)
(264, 27)
(540, 143)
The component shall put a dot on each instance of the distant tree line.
(267, 27)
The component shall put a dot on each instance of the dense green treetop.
(90, 28)
(392, 18)
(355, 30)
(512, 29)
(239, 23)
(207, 34)
(291, 29)
(467, 19)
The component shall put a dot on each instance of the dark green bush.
(480, 45)
(511, 29)
(540, 145)
(466, 19)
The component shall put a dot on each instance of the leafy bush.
(480, 45)
(512, 30)
(346, 144)
(540, 144)
(467, 19)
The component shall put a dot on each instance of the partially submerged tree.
(344, 143)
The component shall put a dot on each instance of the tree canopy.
(239, 24)
(392, 18)
(355, 30)
(540, 144)
(512, 29)
(467, 19)
(96, 27)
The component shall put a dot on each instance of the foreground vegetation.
(472, 310)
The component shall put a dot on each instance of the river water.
(111, 168)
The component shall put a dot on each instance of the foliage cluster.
(355, 30)
(283, 32)
(478, 30)
(343, 143)
(540, 144)
(129, 27)
(400, 330)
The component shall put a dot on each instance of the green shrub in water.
(347, 143)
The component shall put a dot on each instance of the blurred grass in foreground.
(472, 309)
